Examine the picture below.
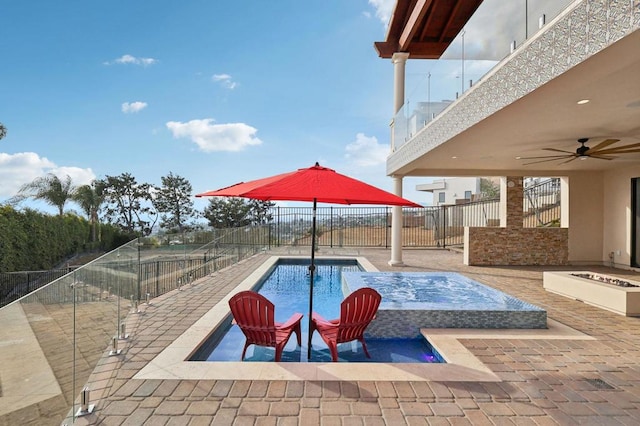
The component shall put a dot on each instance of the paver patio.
(543, 382)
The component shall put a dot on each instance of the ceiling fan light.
(583, 101)
(583, 157)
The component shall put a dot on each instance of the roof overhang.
(425, 28)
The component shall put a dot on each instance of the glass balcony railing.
(431, 86)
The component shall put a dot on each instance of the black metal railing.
(541, 203)
(14, 285)
(160, 266)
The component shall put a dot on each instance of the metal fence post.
(444, 227)
(157, 278)
(331, 228)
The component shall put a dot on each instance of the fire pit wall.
(612, 297)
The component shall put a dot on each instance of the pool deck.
(590, 375)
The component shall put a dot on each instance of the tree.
(173, 200)
(3, 131)
(50, 189)
(488, 188)
(90, 198)
(129, 204)
(237, 212)
(260, 212)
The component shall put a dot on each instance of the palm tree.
(3, 131)
(90, 198)
(50, 189)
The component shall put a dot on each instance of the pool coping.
(462, 365)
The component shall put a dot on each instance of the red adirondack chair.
(254, 314)
(357, 310)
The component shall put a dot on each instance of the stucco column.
(564, 202)
(399, 60)
(396, 226)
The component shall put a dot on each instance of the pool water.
(287, 286)
(433, 290)
(412, 301)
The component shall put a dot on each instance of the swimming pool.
(415, 300)
(287, 285)
(410, 301)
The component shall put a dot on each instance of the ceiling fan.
(600, 151)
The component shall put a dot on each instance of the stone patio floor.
(543, 382)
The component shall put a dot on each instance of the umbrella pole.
(312, 269)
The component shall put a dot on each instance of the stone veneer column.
(514, 201)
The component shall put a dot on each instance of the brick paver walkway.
(544, 382)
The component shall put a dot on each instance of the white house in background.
(452, 190)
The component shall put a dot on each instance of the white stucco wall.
(617, 215)
(586, 218)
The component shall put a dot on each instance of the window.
(467, 195)
(441, 197)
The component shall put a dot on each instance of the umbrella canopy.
(317, 183)
(314, 184)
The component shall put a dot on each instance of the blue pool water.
(415, 300)
(433, 290)
(287, 286)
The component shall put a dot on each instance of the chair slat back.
(357, 310)
(254, 314)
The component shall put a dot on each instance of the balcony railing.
(432, 86)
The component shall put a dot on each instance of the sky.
(217, 92)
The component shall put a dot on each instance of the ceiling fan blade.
(544, 156)
(603, 144)
(601, 157)
(570, 159)
(627, 148)
(558, 150)
(546, 160)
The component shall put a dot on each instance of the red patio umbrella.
(316, 184)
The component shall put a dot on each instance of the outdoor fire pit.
(621, 296)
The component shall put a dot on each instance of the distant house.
(457, 190)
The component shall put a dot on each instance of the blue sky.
(214, 91)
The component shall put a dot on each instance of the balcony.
(581, 47)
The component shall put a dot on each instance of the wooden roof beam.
(446, 27)
(413, 23)
(426, 50)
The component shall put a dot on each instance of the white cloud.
(225, 81)
(130, 59)
(212, 137)
(78, 175)
(384, 9)
(496, 23)
(23, 167)
(133, 107)
(366, 151)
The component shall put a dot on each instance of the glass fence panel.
(53, 338)
(36, 360)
